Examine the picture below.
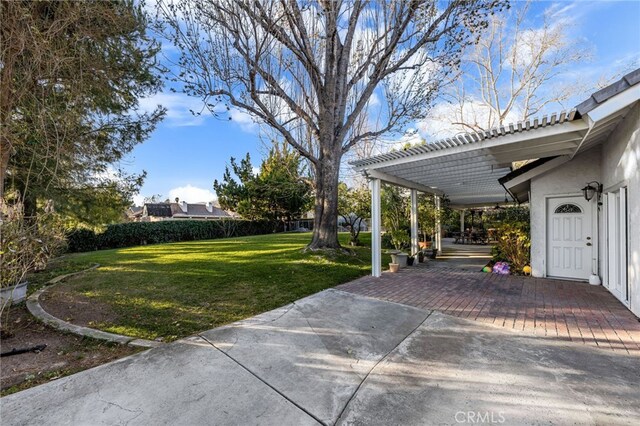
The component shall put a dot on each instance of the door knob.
(588, 244)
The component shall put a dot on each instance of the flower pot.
(434, 253)
(400, 259)
(410, 260)
(394, 267)
(14, 294)
(420, 257)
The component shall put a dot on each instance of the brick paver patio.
(566, 310)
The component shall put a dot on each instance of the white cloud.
(110, 174)
(561, 10)
(374, 100)
(191, 194)
(138, 200)
(244, 121)
(410, 136)
(568, 13)
(442, 118)
(179, 107)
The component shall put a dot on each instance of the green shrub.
(513, 246)
(400, 239)
(26, 243)
(386, 241)
(82, 239)
(141, 233)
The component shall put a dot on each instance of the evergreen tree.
(279, 192)
(72, 73)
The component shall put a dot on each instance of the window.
(568, 208)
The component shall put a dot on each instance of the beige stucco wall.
(620, 165)
(567, 179)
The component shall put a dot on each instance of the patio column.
(461, 221)
(414, 222)
(438, 239)
(376, 240)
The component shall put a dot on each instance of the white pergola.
(467, 168)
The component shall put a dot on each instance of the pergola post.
(461, 222)
(376, 239)
(438, 239)
(414, 222)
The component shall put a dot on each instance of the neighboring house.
(134, 213)
(153, 212)
(583, 188)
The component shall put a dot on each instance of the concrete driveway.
(341, 358)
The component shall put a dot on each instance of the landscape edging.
(34, 307)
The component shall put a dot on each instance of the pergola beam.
(375, 174)
(462, 174)
(550, 133)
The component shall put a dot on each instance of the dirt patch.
(65, 353)
(63, 302)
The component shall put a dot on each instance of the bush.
(386, 241)
(141, 233)
(26, 243)
(400, 239)
(513, 246)
(82, 239)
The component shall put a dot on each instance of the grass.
(175, 290)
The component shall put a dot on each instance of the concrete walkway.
(466, 257)
(341, 358)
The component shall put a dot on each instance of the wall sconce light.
(591, 190)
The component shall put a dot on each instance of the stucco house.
(582, 185)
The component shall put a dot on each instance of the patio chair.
(483, 237)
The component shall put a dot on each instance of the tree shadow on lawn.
(179, 298)
(178, 252)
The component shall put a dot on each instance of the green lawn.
(175, 290)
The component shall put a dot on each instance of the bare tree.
(311, 68)
(509, 74)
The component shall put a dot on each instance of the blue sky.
(185, 153)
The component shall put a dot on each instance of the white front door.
(569, 239)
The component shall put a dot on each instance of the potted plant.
(399, 239)
(393, 267)
(410, 260)
(434, 253)
(420, 256)
(26, 244)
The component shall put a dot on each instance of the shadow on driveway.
(337, 357)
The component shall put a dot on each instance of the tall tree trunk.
(325, 221)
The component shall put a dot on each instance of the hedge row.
(141, 233)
